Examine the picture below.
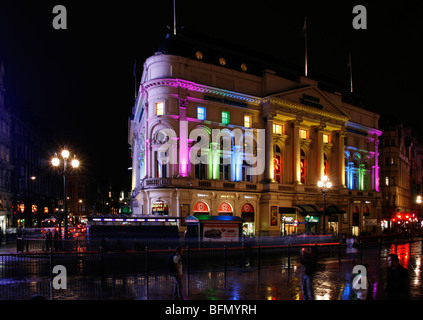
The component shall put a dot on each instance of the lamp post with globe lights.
(419, 201)
(324, 185)
(64, 168)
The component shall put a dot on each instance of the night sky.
(76, 86)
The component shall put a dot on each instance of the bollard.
(380, 246)
(146, 269)
(225, 264)
(103, 285)
(315, 250)
(188, 269)
(289, 256)
(51, 273)
(258, 261)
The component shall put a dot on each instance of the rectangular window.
(277, 129)
(159, 109)
(225, 117)
(325, 138)
(248, 121)
(201, 113)
(387, 181)
(303, 134)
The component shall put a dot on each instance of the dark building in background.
(30, 189)
(35, 186)
(6, 166)
(401, 161)
(88, 195)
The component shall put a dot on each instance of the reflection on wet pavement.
(332, 281)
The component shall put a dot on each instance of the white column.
(269, 149)
(297, 152)
(341, 157)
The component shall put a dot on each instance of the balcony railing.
(152, 183)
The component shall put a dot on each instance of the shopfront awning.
(334, 209)
(288, 210)
(309, 209)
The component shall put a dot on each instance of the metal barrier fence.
(143, 274)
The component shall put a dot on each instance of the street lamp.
(324, 185)
(419, 200)
(64, 170)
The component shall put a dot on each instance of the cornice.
(192, 86)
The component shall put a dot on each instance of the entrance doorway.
(247, 214)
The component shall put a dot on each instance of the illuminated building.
(297, 130)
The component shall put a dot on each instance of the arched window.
(225, 209)
(226, 143)
(277, 164)
(303, 165)
(325, 165)
(161, 165)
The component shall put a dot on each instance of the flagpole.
(174, 17)
(351, 74)
(306, 46)
(135, 78)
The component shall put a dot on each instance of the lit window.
(325, 138)
(225, 117)
(159, 108)
(277, 129)
(201, 113)
(248, 121)
(303, 134)
(387, 181)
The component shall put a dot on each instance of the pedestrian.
(397, 280)
(176, 272)
(309, 263)
(352, 246)
(56, 239)
(362, 285)
(49, 238)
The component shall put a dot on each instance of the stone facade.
(265, 140)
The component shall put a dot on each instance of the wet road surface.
(241, 281)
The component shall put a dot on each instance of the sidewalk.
(8, 248)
